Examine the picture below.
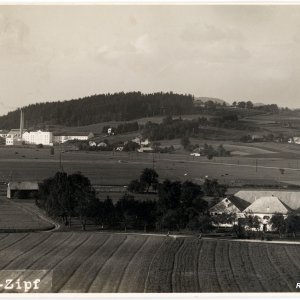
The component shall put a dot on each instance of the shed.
(26, 186)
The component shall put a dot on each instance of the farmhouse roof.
(267, 205)
(289, 198)
(23, 185)
(4, 131)
(230, 204)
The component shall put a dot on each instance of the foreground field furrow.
(162, 267)
(185, 275)
(20, 248)
(207, 273)
(3, 236)
(98, 281)
(245, 276)
(52, 259)
(111, 275)
(283, 265)
(85, 274)
(123, 279)
(11, 239)
(67, 267)
(58, 275)
(270, 278)
(224, 268)
(293, 253)
(135, 276)
(25, 260)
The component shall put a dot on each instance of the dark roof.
(23, 185)
(71, 133)
(241, 204)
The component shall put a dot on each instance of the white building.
(13, 137)
(145, 149)
(64, 137)
(38, 137)
(294, 140)
(9, 140)
(145, 143)
(4, 133)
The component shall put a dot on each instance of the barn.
(25, 188)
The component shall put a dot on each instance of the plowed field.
(97, 262)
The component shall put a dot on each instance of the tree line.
(100, 108)
(180, 205)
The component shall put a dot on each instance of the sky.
(232, 52)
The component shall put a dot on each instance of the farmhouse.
(263, 204)
(23, 186)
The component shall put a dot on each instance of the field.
(261, 166)
(96, 262)
(17, 217)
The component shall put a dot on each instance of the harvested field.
(98, 262)
(16, 218)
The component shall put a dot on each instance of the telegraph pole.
(153, 161)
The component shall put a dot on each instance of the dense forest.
(100, 108)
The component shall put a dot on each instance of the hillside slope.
(100, 108)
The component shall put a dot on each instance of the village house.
(4, 133)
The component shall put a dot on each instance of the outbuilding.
(24, 187)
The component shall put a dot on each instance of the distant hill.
(205, 99)
(100, 108)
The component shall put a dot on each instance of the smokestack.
(21, 124)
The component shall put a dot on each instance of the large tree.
(66, 196)
(149, 178)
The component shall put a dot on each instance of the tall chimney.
(21, 124)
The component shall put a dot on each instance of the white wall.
(38, 137)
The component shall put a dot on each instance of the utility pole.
(153, 161)
(60, 160)
(256, 165)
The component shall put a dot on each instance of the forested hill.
(100, 108)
